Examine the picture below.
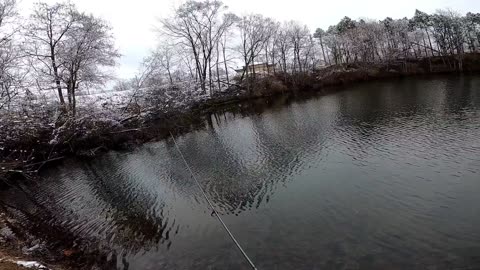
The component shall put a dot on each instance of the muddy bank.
(20, 250)
(24, 244)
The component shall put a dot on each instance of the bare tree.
(69, 48)
(199, 26)
(45, 33)
(320, 34)
(283, 48)
(223, 43)
(164, 59)
(255, 31)
(87, 51)
(11, 71)
(302, 46)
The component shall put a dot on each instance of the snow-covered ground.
(165, 97)
(31, 264)
(25, 264)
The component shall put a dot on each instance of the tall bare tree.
(69, 47)
(255, 31)
(85, 54)
(320, 34)
(199, 26)
(45, 33)
(164, 59)
(11, 72)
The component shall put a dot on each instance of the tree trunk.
(249, 90)
(323, 52)
(225, 63)
(218, 67)
(74, 99)
(266, 59)
(198, 67)
(210, 81)
(429, 41)
(69, 95)
(170, 76)
(425, 47)
(254, 74)
(57, 77)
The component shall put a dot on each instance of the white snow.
(26, 264)
(31, 264)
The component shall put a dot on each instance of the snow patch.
(31, 264)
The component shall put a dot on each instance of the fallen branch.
(126, 130)
(44, 162)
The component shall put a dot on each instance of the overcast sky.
(134, 21)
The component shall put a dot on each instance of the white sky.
(134, 21)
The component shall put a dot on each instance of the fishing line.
(213, 208)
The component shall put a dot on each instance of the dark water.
(381, 176)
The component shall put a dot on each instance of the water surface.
(383, 175)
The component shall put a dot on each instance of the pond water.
(382, 175)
